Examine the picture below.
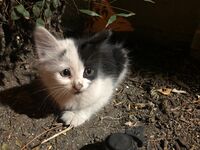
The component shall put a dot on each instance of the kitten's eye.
(88, 71)
(65, 73)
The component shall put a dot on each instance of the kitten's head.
(75, 64)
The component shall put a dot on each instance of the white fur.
(84, 105)
(94, 95)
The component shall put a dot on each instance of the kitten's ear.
(101, 36)
(46, 44)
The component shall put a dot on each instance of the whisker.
(50, 88)
(65, 92)
(53, 93)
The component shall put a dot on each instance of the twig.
(75, 6)
(125, 10)
(57, 134)
(109, 117)
(17, 1)
(113, 1)
(39, 136)
(43, 3)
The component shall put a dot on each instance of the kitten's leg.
(75, 118)
(78, 117)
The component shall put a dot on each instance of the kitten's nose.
(77, 86)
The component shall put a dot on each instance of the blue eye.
(65, 73)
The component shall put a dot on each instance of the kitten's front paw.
(72, 118)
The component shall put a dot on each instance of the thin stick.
(75, 6)
(57, 134)
(39, 136)
(125, 10)
(113, 1)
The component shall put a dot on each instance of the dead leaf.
(50, 147)
(18, 143)
(140, 105)
(36, 148)
(165, 91)
(129, 123)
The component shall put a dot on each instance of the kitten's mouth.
(77, 92)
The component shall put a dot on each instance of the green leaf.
(36, 10)
(125, 15)
(89, 12)
(40, 22)
(47, 5)
(56, 3)
(111, 20)
(20, 9)
(39, 4)
(47, 13)
(26, 14)
(14, 15)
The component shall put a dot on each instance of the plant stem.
(115, 7)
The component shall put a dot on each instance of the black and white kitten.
(80, 75)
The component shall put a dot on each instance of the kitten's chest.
(98, 92)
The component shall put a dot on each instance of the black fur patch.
(102, 56)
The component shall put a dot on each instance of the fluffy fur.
(80, 75)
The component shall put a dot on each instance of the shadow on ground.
(28, 99)
(95, 146)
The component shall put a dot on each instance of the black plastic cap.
(120, 141)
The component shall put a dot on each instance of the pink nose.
(78, 86)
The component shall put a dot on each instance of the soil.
(171, 120)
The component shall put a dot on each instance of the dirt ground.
(170, 119)
(160, 95)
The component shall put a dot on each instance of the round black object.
(120, 141)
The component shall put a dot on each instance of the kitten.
(80, 75)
